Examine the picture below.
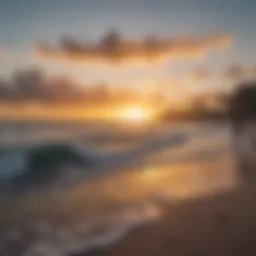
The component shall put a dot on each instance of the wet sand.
(223, 224)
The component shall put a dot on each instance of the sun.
(135, 114)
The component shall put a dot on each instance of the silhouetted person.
(242, 114)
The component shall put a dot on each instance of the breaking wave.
(44, 165)
(47, 239)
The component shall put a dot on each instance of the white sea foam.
(96, 233)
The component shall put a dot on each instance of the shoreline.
(223, 224)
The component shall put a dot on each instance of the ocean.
(135, 170)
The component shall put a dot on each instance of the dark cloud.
(24, 84)
(114, 48)
(5, 91)
(34, 85)
(234, 71)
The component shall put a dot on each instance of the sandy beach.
(219, 225)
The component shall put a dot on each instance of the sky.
(191, 46)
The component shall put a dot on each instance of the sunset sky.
(181, 46)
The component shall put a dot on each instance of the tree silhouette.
(243, 103)
(243, 110)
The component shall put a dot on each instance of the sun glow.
(135, 114)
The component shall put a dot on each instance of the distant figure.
(243, 118)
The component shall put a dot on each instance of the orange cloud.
(253, 70)
(200, 73)
(113, 48)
